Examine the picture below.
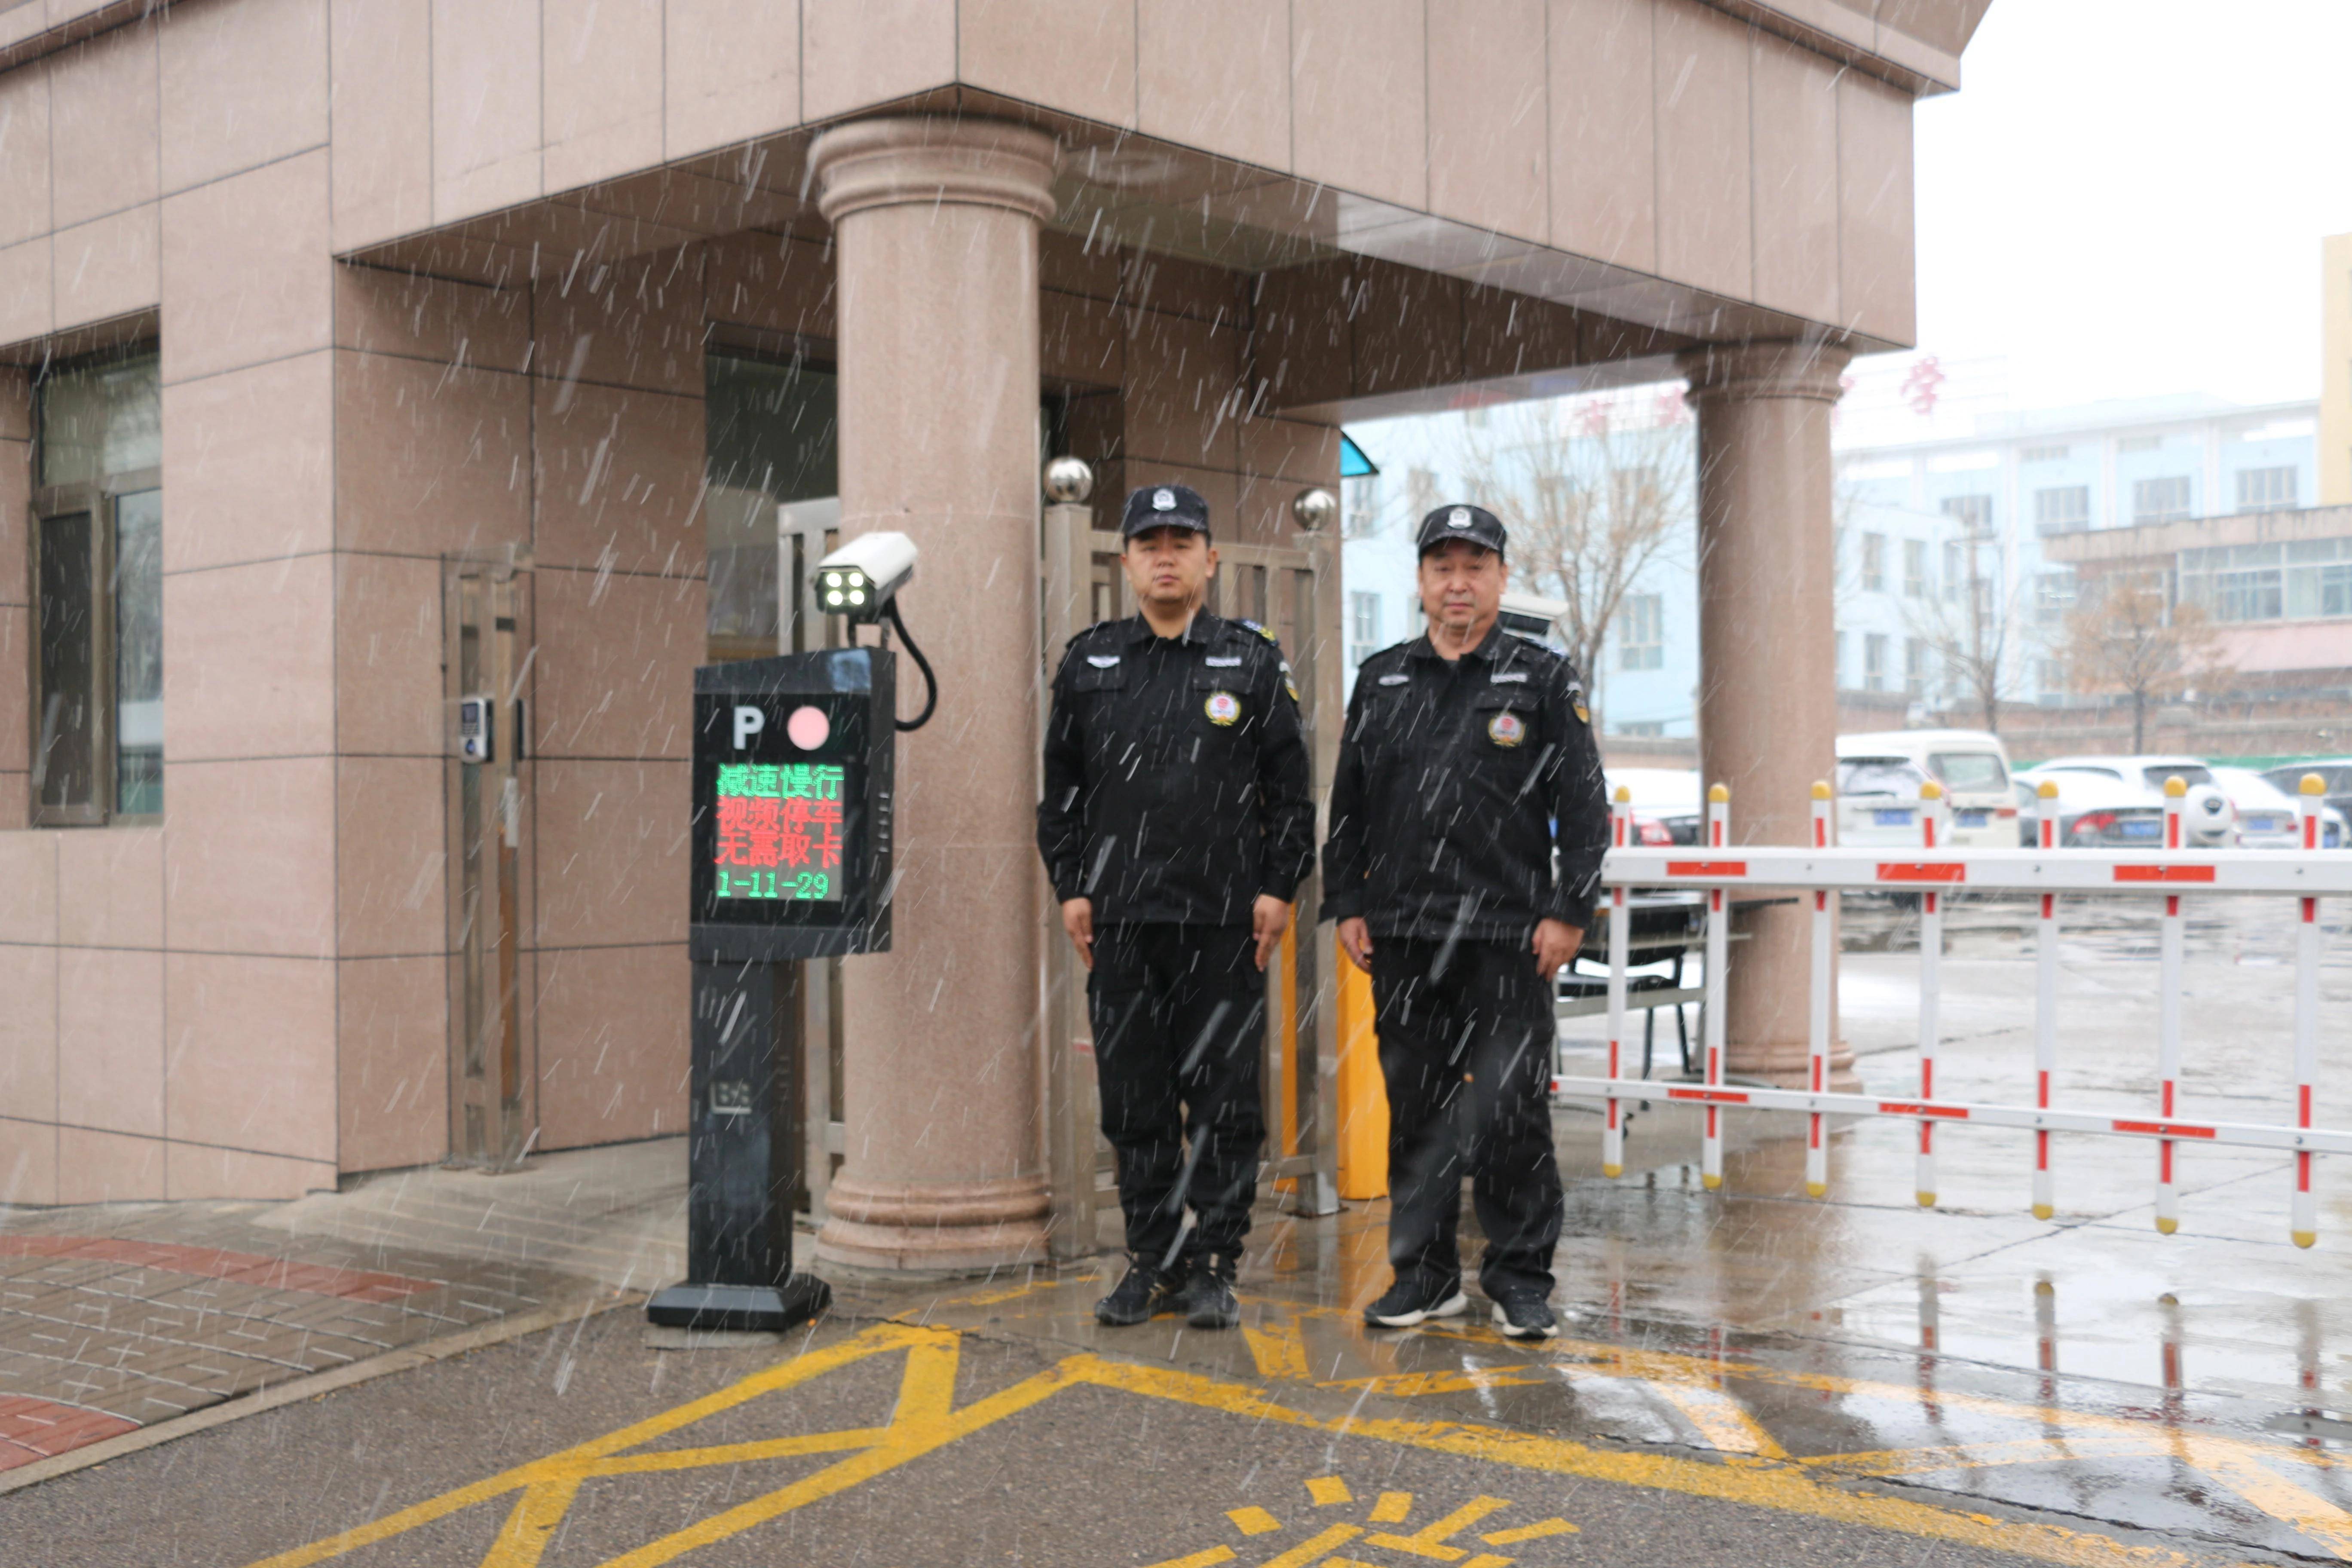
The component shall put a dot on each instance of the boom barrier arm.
(2167, 877)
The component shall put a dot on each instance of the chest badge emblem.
(1223, 707)
(1507, 729)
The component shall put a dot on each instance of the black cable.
(931, 681)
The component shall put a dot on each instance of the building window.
(1874, 563)
(2265, 489)
(1838, 674)
(1642, 644)
(2050, 677)
(1915, 568)
(1953, 575)
(2257, 595)
(2054, 595)
(2160, 500)
(2061, 508)
(98, 567)
(1640, 729)
(1874, 661)
(1364, 638)
(2043, 455)
(2138, 443)
(1914, 667)
(1361, 504)
(1973, 514)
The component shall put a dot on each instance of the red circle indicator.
(808, 727)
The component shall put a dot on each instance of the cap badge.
(1507, 729)
(1458, 518)
(1223, 707)
(1163, 501)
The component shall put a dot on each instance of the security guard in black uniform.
(1177, 825)
(1468, 758)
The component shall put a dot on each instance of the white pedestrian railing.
(2171, 873)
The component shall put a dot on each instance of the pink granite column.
(1768, 655)
(936, 226)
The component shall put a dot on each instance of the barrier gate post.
(2304, 1225)
(1613, 1136)
(1817, 1038)
(2046, 1006)
(2171, 952)
(1931, 957)
(1719, 936)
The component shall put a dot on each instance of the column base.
(1789, 1064)
(934, 1227)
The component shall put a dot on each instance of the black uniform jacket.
(1176, 774)
(1452, 776)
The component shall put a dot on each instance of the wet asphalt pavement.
(1744, 1376)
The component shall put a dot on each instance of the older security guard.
(1177, 827)
(1465, 749)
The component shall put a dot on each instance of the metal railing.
(2171, 874)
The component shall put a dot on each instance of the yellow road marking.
(925, 1420)
(1306, 1551)
(1783, 1487)
(1721, 1419)
(1430, 1540)
(1985, 1456)
(1214, 1554)
(1535, 1531)
(1412, 1384)
(1488, 1559)
(786, 1375)
(1279, 1354)
(2256, 1482)
(1253, 1521)
(1329, 1490)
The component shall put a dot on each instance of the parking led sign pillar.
(790, 859)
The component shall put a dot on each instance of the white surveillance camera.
(860, 579)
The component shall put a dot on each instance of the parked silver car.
(2118, 802)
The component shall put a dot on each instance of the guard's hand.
(1269, 918)
(1556, 943)
(1355, 942)
(1078, 920)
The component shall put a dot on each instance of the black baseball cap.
(1474, 524)
(1163, 506)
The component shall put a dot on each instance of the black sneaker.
(1411, 1302)
(1140, 1297)
(1524, 1314)
(1207, 1299)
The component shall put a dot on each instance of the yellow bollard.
(1363, 1094)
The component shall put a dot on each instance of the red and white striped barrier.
(2172, 873)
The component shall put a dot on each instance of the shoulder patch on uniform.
(1257, 629)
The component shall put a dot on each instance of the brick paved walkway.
(116, 1316)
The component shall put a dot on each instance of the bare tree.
(2125, 637)
(1591, 498)
(1968, 622)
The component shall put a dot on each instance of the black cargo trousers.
(1465, 1033)
(1178, 1014)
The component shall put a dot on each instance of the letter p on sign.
(749, 722)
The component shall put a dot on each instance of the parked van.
(1878, 780)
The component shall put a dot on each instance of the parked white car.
(2269, 818)
(2109, 801)
(1669, 805)
(1879, 779)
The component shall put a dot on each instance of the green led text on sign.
(778, 830)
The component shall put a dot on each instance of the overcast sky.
(2126, 197)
